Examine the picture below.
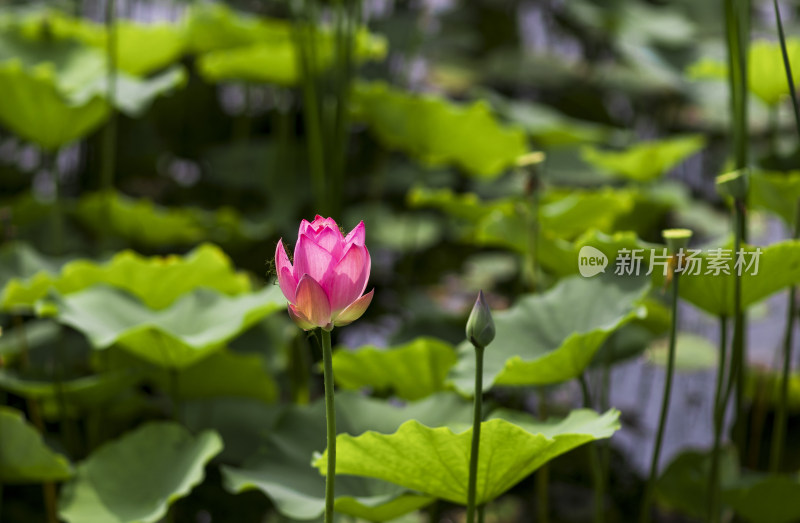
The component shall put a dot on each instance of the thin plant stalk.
(330, 419)
(719, 408)
(779, 429)
(737, 30)
(305, 37)
(481, 513)
(543, 474)
(594, 457)
(477, 417)
(662, 420)
(739, 357)
(605, 393)
(110, 131)
(349, 15)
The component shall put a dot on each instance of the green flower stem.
(739, 351)
(330, 418)
(476, 434)
(543, 474)
(779, 429)
(737, 30)
(594, 457)
(719, 416)
(305, 37)
(110, 131)
(662, 420)
(481, 513)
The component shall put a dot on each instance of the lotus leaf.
(193, 327)
(438, 132)
(552, 337)
(412, 371)
(157, 281)
(436, 460)
(24, 457)
(283, 470)
(137, 477)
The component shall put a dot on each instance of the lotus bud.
(480, 326)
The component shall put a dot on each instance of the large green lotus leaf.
(24, 457)
(778, 268)
(193, 327)
(283, 469)
(20, 260)
(72, 64)
(777, 193)
(143, 222)
(502, 222)
(158, 281)
(34, 108)
(277, 61)
(767, 499)
(438, 132)
(274, 62)
(765, 69)
(645, 161)
(79, 72)
(560, 257)
(144, 48)
(412, 371)
(137, 477)
(88, 390)
(552, 337)
(547, 126)
(134, 96)
(141, 48)
(692, 353)
(222, 374)
(436, 460)
(213, 26)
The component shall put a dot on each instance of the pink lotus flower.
(325, 286)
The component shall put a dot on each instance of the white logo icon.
(591, 261)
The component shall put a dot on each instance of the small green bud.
(480, 326)
(677, 239)
(734, 184)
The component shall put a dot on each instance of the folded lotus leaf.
(196, 325)
(158, 281)
(435, 461)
